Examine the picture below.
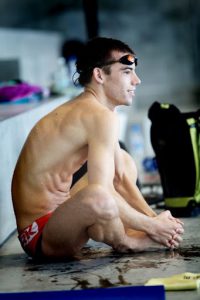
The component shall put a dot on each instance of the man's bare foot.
(138, 242)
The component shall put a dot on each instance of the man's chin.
(129, 102)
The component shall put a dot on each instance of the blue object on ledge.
(120, 293)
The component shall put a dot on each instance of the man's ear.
(98, 75)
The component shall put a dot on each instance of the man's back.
(56, 147)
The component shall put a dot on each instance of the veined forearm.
(130, 192)
(130, 216)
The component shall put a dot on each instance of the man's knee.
(101, 202)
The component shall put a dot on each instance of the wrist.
(147, 224)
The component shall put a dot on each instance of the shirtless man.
(55, 220)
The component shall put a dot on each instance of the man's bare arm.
(101, 146)
(125, 184)
(101, 168)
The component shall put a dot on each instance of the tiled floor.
(99, 266)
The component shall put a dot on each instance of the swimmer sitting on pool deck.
(55, 220)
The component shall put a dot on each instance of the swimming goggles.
(127, 59)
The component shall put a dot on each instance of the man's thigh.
(66, 231)
(79, 185)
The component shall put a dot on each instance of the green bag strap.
(195, 145)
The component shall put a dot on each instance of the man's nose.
(136, 80)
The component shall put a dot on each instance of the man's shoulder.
(105, 125)
(93, 114)
(93, 110)
(107, 117)
(102, 115)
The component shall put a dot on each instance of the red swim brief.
(30, 237)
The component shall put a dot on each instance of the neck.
(92, 92)
(100, 97)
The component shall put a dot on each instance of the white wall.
(13, 133)
(37, 52)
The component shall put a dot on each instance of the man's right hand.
(166, 230)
